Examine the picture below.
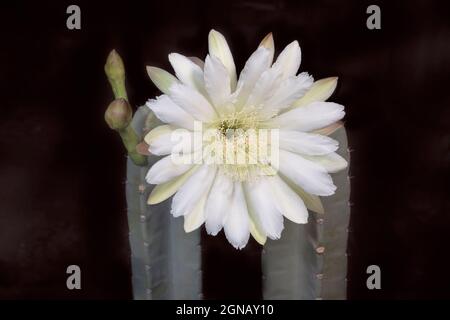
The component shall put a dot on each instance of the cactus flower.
(251, 197)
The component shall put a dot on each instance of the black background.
(62, 169)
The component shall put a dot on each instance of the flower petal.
(161, 78)
(287, 92)
(289, 60)
(288, 202)
(167, 111)
(217, 204)
(165, 190)
(269, 44)
(198, 61)
(167, 139)
(256, 231)
(187, 71)
(159, 140)
(165, 170)
(311, 177)
(218, 47)
(264, 88)
(258, 62)
(326, 131)
(312, 202)
(217, 83)
(321, 90)
(261, 204)
(306, 143)
(190, 193)
(237, 223)
(332, 162)
(196, 217)
(310, 117)
(192, 102)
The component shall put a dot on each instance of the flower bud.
(115, 71)
(118, 114)
(114, 68)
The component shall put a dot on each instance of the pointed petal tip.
(189, 228)
(295, 44)
(151, 68)
(213, 32)
(152, 201)
(267, 42)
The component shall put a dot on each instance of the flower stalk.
(118, 115)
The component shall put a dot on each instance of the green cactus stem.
(165, 260)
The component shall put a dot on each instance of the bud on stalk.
(115, 71)
(118, 114)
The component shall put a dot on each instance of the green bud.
(118, 114)
(115, 71)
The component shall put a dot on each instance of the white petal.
(311, 201)
(261, 204)
(237, 223)
(198, 62)
(165, 190)
(190, 193)
(306, 143)
(167, 139)
(192, 102)
(165, 170)
(326, 131)
(217, 82)
(287, 92)
(313, 116)
(196, 217)
(288, 202)
(167, 111)
(289, 60)
(218, 202)
(264, 88)
(218, 47)
(159, 140)
(321, 90)
(258, 62)
(332, 162)
(162, 79)
(312, 177)
(187, 71)
(269, 44)
(256, 231)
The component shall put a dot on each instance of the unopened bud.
(115, 71)
(118, 114)
(114, 68)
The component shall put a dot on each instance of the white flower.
(248, 198)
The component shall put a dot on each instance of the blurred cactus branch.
(118, 115)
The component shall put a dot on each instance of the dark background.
(62, 196)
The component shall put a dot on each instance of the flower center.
(240, 148)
